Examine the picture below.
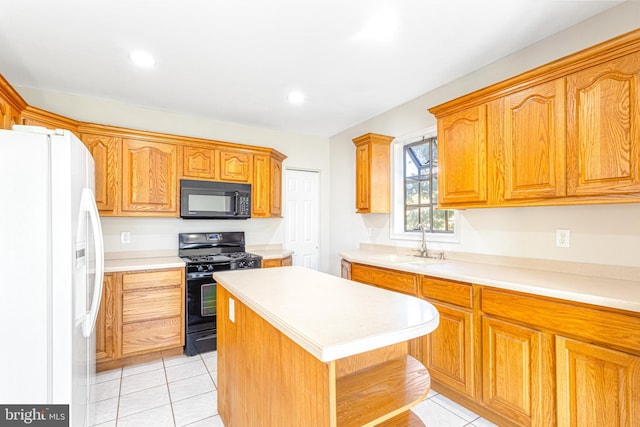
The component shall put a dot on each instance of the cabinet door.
(235, 166)
(152, 311)
(149, 178)
(276, 187)
(198, 162)
(449, 349)
(106, 321)
(512, 371)
(260, 189)
(462, 157)
(603, 133)
(362, 179)
(534, 142)
(596, 386)
(104, 150)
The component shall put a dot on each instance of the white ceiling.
(237, 60)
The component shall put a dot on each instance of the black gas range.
(204, 254)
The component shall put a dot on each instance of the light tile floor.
(181, 391)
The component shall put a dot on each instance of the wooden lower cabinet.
(513, 370)
(448, 353)
(277, 262)
(141, 317)
(596, 386)
(519, 359)
(106, 320)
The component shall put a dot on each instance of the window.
(420, 161)
(415, 190)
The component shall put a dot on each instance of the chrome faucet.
(423, 245)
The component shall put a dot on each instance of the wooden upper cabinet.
(276, 186)
(260, 199)
(373, 179)
(105, 152)
(266, 186)
(564, 133)
(603, 139)
(533, 141)
(200, 163)
(149, 178)
(462, 157)
(596, 386)
(236, 165)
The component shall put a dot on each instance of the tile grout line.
(166, 378)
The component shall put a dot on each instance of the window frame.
(397, 231)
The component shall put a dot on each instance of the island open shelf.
(301, 348)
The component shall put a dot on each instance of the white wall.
(599, 234)
(303, 151)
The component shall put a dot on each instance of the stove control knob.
(200, 268)
(210, 267)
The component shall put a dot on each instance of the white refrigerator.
(51, 271)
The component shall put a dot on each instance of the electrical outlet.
(563, 238)
(232, 310)
(125, 237)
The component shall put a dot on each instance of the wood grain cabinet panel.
(596, 386)
(236, 165)
(373, 179)
(513, 371)
(104, 150)
(384, 278)
(604, 128)
(9, 116)
(149, 178)
(267, 185)
(152, 310)
(462, 157)
(449, 351)
(200, 163)
(106, 322)
(534, 142)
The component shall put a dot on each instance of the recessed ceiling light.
(142, 59)
(296, 97)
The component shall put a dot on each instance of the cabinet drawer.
(151, 304)
(448, 291)
(383, 278)
(151, 335)
(616, 328)
(151, 279)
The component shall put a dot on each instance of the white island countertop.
(328, 316)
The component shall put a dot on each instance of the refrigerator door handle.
(89, 204)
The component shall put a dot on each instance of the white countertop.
(614, 293)
(271, 253)
(328, 316)
(142, 263)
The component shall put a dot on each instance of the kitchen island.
(302, 348)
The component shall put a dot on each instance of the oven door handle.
(236, 204)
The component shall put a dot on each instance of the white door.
(302, 216)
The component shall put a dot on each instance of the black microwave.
(214, 200)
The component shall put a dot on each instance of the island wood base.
(266, 379)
